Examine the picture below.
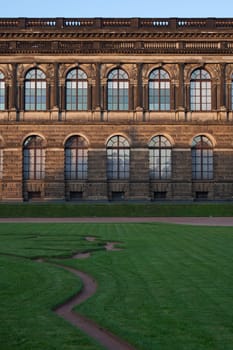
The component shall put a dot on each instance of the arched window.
(118, 90)
(202, 158)
(159, 90)
(76, 90)
(76, 158)
(160, 158)
(2, 92)
(232, 92)
(1, 159)
(35, 90)
(118, 157)
(34, 158)
(200, 91)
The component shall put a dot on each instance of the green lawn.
(114, 209)
(170, 288)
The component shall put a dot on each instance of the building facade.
(109, 109)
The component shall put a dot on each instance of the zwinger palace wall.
(116, 109)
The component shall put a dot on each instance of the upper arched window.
(232, 92)
(160, 158)
(34, 158)
(1, 159)
(202, 158)
(2, 92)
(118, 90)
(76, 158)
(35, 90)
(76, 90)
(200, 91)
(159, 90)
(118, 157)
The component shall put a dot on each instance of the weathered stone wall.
(53, 187)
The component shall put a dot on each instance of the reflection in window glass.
(159, 90)
(76, 90)
(34, 158)
(200, 91)
(76, 158)
(118, 90)
(35, 90)
(1, 162)
(202, 158)
(118, 158)
(2, 91)
(232, 92)
(160, 158)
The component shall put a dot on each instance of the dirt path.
(209, 221)
(102, 336)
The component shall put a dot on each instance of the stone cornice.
(145, 47)
(116, 36)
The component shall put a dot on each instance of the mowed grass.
(84, 209)
(169, 288)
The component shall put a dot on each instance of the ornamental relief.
(7, 70)
(229, 73)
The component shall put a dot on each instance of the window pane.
(159, 90)
(76, 90)
(117, 90)
(76, 158)
(35, 90)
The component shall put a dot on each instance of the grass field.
(169, 288)
(114, 209)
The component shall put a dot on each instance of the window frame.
(76, 151)
(202, 155)
(78, 96)
(200, 91)
(118, 90)
(2, 91)
(160, 78)
(160, 157)
(35, 90)
(33, 158)
(118, 158)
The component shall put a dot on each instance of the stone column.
(180, 94)
(97, 97)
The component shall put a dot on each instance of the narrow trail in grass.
(104, 337)
(65, 310)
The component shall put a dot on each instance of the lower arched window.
(160, 158)
(118, 157)
(1, 162)
(34, 158)
(202, 158)
(76, 158)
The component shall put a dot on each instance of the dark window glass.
(160, 158)
(34, 158)
(200, 91)
(76, 90)
(1, 162)
(118, 90)
(202, 158)
(2, 91)
(159, 90)
(118, 157)
(76, 158)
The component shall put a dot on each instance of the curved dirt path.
(102, 336)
